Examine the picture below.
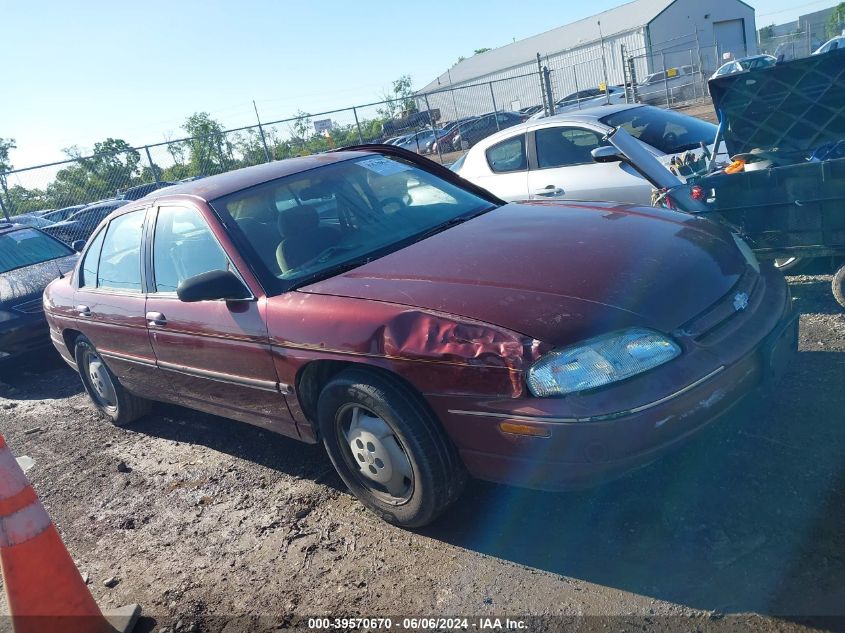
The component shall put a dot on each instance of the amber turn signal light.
(524, 429)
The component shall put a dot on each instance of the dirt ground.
(213, 525)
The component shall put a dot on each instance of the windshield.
(665, 130)
(314, 224)
(756, 62)
(26, 247)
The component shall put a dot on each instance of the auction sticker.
(383, 166)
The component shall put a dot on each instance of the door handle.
(549, 190)
(82, 310)
(156, 318)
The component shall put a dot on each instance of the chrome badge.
(740, 301)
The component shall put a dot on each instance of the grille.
(721, 312)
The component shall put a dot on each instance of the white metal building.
(655, 32)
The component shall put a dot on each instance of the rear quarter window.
(508, 155)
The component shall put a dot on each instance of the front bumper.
(581, 451)
(22, 337)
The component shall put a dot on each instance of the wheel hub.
(101, 381)
(377, 452)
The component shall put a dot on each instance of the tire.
(353, 411)
(108, 395)
(838, 284)
(790, 265)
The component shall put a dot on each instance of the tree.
(6, 144)
(399, 100)
(767, 32)
(205, 148)
(836, 21)
(477, 51)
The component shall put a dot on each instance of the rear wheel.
(791, 264)
(839, 286)
(103, 387)
(388, 448)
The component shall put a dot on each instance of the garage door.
(730, 37)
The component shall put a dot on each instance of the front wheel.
(388, 448)
(108, 395)
(839, 286)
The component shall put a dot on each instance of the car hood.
(24, 284)
(558, 273)
(778, 108)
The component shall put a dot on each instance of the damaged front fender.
(448, 354)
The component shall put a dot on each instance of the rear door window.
(88, 278)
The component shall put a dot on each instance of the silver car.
(670, 86)
(584, 99)
(745, 63)
(831, 45)
(551, 158)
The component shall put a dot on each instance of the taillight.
(697, 192)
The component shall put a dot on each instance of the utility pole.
(261, 132)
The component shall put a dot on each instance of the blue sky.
(78, 72)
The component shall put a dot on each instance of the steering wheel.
(393, 204)
(670, 139)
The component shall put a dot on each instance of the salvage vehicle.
(551, 157)
(29, 260)
(784, 191)
(420, 327)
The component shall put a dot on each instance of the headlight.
(600, 361)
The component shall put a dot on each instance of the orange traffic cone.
(44, 590)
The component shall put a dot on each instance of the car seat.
(303, 237)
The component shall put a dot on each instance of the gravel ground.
(214, 525)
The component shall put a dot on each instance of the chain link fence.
(69, 198)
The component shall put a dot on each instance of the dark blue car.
(29, 260)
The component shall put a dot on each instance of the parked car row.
(467, 132)
(77, 222)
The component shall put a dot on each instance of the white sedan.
(551, 157)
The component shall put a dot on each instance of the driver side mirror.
(606, 154)
(215, 285)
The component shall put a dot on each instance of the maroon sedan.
(419, 327)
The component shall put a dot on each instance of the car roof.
(590, 115)
(220, 185)
(10, 227)
(105, 204)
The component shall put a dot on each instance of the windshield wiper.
(448, 224)
(331, 271)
